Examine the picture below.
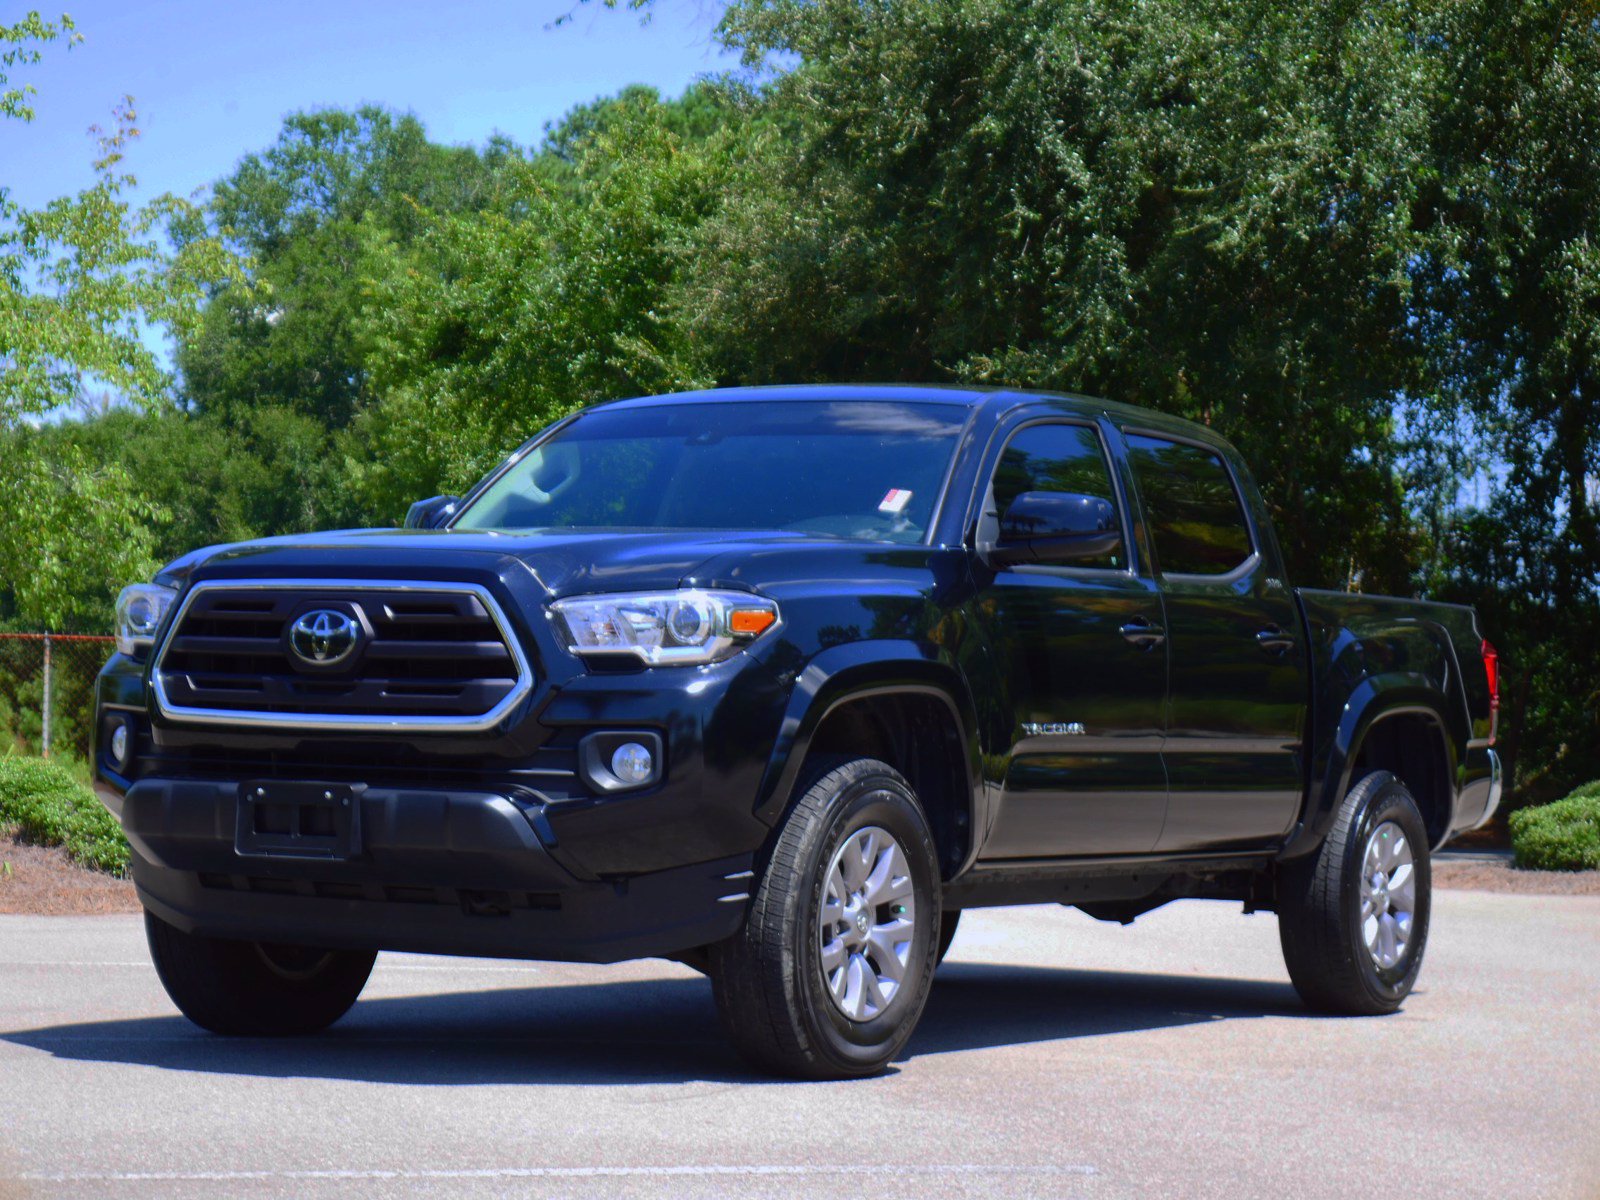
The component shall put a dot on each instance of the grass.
(1564, 836)
(45, 804)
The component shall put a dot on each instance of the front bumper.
(431, 871)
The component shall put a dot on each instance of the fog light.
(119, 745)
(632, 763)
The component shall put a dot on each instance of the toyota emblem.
(324, 637)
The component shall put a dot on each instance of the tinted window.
(1193, 510)
(1055, 458)
(854, 469)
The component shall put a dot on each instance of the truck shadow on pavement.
(649, 1031)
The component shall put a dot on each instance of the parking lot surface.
(1058, 1057)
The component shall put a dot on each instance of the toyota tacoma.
(776, 682)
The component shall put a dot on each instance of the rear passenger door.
(1237, 690)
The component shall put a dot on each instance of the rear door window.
(1196, 521)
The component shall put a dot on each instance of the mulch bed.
(42, 880)
(1480, 876)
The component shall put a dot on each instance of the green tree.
(76, 530)
(1195, 207)
(298, 210)
(496, 323)
(80, 280)
(79, 277)
(1357, 238)
(1510, 297)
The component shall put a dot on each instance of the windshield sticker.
(895, 502)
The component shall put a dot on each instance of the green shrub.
(47, 805)
(1564, 836)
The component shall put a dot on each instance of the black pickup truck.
(776, 682)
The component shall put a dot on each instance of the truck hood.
(562, 562)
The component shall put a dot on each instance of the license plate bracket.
(298, 819)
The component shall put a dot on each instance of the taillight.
(1491, 668)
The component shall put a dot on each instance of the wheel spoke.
(1372, 860)
(846, 867)
(879, 870)
(867, 847)
(838, 984)
(1395, 852)
(832, 956)
(835, 891)
(886, 941)
(856, 975)
(874, 990)
(1388, 947)
(897, 887)
(1403, 889)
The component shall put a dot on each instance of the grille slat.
(260, 647)
(478, 652)
(422, 655)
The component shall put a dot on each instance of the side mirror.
(432, 512)
(1052, 527)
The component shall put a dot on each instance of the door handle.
(1144, 633)
(1274, 639)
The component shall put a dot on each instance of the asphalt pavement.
(1058, 1057)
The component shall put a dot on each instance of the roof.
(914, 393)
(910, 393)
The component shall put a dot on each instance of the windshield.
(853, 469)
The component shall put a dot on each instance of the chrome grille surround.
(341, 722)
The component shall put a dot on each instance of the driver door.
(1080, 653)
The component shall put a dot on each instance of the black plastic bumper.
(408, 869)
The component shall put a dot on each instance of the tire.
(251, 989)
(949, 920)
(783, 993)
(1325, 904)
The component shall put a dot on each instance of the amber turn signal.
(747, 622)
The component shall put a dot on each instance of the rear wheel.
(829, 974)
(255, 989)
(1353, 917)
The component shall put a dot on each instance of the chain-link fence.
(47, 691)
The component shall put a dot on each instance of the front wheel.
(1353, 916)
(255, 989)
(830, 972)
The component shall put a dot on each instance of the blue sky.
(213, 80)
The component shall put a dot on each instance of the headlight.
(140, 607)
(666, 628)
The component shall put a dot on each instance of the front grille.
(425, 655)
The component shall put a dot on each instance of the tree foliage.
(497, 323)
(79, 276)
(1355, 237)
(1199, 208)
(80, 279)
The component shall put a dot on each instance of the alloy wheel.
(867, 923)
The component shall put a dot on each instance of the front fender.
(851, 672)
